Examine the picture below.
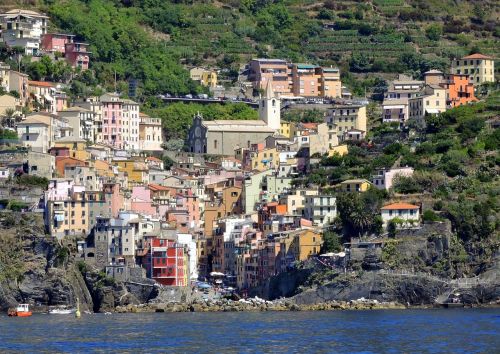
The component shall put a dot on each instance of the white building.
(82, 122)
(269, 108)
(385, 178)
(402, 211)
(39, 131)
(95, 106)
(187, 240)
(431, 100)
(320, 209)
(23, 28)
(130, 125)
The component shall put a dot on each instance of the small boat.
(61, 311)
(22, 310)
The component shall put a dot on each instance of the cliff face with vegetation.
(35, 268)
(418, 267)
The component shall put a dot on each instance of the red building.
(459, 90)
(56, 42)
(77, 56)
(166, 261)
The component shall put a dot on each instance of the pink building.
(77, 55)
(56, 42)
(141, 201)
(275, 70)
(113, 198)
(190, 203)
(112, 114)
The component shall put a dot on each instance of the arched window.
(274, 103)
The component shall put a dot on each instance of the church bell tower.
(269, 108)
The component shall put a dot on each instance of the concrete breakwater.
(257, 304)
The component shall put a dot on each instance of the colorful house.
(355, 185)
(402, 211)
(166, 261)
(77, 55)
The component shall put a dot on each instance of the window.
(215, 144)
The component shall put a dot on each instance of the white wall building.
(130, 125)
(385, 178)
(403, 211)
(320, 209)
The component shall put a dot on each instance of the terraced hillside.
(363, 36)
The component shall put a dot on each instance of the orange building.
(63, 161)
(459, 90)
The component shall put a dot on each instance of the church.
(222, 137)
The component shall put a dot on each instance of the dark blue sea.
(391, 331)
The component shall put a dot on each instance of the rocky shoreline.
(256, 305)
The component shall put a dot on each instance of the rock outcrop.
(35, 268)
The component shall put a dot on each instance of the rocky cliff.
(419, 267)
(37, 269)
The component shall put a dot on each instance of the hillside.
(148, 40)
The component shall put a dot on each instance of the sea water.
(376, 331)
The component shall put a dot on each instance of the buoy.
(77, 312)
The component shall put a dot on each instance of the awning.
(48, 98)
(216, 274)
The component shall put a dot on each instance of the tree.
(331, 242)
(391, 229)
(434, 32)
(359, 212)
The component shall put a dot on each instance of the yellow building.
(103, 168)
(338, 150)
(205, 77)
(479, 67)
(309, 244)
(287, 129)
(299, 246)
(264, 159)
(349, 122)
(77, 147)
(355, 185)
(137, 172)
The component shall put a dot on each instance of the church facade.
(222, 137)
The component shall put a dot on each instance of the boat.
(61, 311)
(22, 310)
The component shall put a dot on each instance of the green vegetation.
(121, 45)
(331, 242)
(456, 162)
(147, 40)
(303, 116)
(360, 212)
(6, 134)
(176, 118)
(32, 181)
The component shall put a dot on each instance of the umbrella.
(204, 285)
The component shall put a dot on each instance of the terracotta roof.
(477, 56)
(310, 125)
(400, 206)
(157, 187)
(41, 83)
(152, 158)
